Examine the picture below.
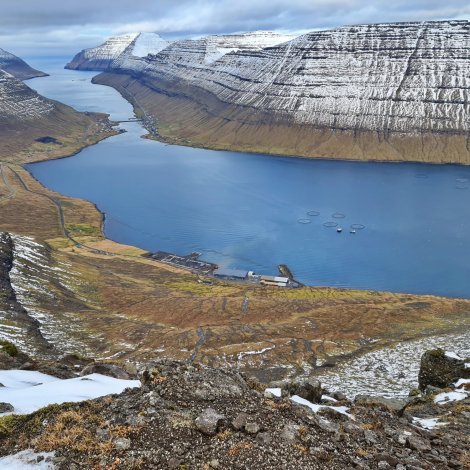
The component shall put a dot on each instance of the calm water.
(242, 210)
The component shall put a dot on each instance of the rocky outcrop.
(386, 91)
(129, 45)
(231, 425)
(17, 67)
(441, 369)
(11, 310)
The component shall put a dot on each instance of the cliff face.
(17, 67)
(128, 45)
(385, 91)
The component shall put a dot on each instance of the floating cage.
(304, 221)
(357, 226)
(461, 187)
(338, 215)
(330, 224)
(313, 213)
(421, 176)
(461, 180)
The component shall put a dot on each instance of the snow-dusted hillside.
(402, 77)
(18, 102)
(17, 67)
(128, 45)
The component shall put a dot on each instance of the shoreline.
(177, 110)
(138, 111)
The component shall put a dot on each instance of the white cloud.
(62, 27)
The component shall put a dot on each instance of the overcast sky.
(63, 27)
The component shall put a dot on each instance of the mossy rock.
(439, 370)
(8, 348)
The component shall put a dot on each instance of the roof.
(226, 272)
(275, 279)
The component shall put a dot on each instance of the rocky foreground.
(190, 416)
(394, 91)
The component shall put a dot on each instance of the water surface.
(243, 210)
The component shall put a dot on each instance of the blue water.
(243, 210)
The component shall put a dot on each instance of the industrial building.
(232, 274)
(274, 281)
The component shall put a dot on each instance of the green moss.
(438, 353)
(9, 348)
(83, 229)
(9, 423)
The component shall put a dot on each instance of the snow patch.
(448, 397)
(30, 390)
(316, 408)
(428, 423)
(28, 459)
(452, 355)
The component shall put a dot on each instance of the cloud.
(30, 27)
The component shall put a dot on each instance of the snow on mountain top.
(148, 43)
(112, 47)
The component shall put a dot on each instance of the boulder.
(391, 404)
(208, 421)
(305, 387)
(110, 370)
(6, 407)
(440, 369)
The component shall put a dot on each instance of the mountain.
(133, 44)
(19, 102)
(33, 127)
(395, 91)
(17, 67)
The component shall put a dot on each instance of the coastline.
(180, 119)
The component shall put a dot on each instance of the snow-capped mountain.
(18, 102)
(17, 67)
(404, 77)
(131, 45)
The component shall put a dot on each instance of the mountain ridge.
(392, 91)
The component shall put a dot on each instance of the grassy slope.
(72, 130)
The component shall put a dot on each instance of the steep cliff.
(133, 44)
(17, 67)
(386, 91)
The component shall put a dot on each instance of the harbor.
(192, 263)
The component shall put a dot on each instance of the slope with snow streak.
(396, 91)
(18, 102)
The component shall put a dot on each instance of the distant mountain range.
(395, 91)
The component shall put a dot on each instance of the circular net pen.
(304, 221)
(357, 227)
(330, 224)
(313, 213)
(338, 215)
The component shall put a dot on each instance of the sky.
(32, 28)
